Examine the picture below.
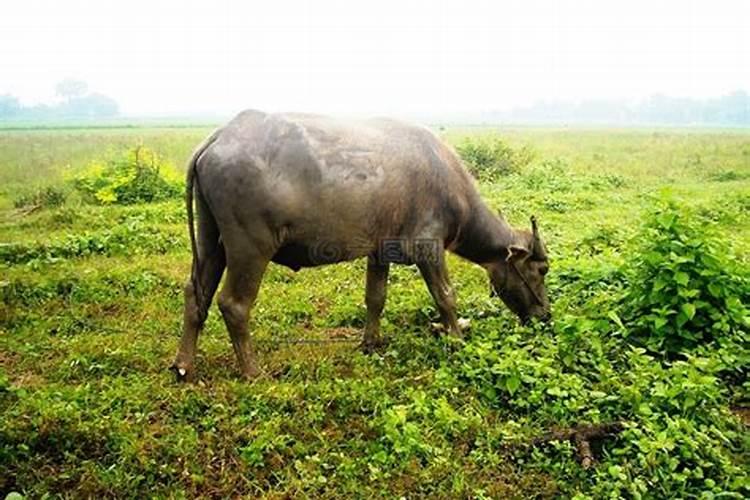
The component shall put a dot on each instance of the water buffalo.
(305, 190)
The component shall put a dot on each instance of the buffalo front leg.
(435, 274)
(195, 313)
(375, 293)
(235, 301)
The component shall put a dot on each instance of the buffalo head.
(517, 276)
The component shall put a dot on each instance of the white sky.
(377, 56)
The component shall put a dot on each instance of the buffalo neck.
(484, 235)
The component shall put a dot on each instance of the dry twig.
(582, 436)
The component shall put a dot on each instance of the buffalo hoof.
(251, 374)
(463, 324)
(372, 346)
(182, 373)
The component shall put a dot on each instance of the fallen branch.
(582, 436)
(20, 212)
(30, 210)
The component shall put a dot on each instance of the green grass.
(29, 158)
(90, 318)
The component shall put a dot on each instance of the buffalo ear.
(537, 247)
(516, 252)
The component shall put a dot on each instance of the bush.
(488, 158)
(683, 289)
(551, 175)
(138, 175)
(674, 413)
(44, 197)
(727, 176)
(525, 375)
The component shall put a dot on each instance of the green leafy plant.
(551, 175)
(487, 158)
(684, 291)
(45, 197)
(138, 175)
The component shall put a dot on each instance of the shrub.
(674, 413)
(550, 175)
(727, 176)
(683, 292)
(138, 175)
(524, 374)
(555, 175)
(488, 158)
(44, 197)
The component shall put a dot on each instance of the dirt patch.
(29, 380)
(343, 332)
(8, 359)
(743, 413)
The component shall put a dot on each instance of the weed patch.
(46, 197)
(684, 291)
(138, 175)
(489, 158)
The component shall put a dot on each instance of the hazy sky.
(378, 56)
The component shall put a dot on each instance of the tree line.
(729, 110)
(74, 101)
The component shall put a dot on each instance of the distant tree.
(80, 103)
(93, 106)
(70, 89)
(9, 106)
(737, 106)
(88, 106)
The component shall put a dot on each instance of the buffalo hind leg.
(435, 274)
(236, 298)
(375, 293)
(213, 261)
(194, 316)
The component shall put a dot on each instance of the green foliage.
(268, 439)
(549, 175)
(525, 375)
(556, 175)
(138, 175)
(728, 176)
(684, 290)
(131, 237)
(489, 158)
(46, 197)
(669, 447)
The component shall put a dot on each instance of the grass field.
(91, 310)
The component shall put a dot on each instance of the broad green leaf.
(615, 319)
(681, 278)
(689, 310)
(659, 322)
(512, 383)
(682, 318)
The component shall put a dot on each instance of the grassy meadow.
(91, 309)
